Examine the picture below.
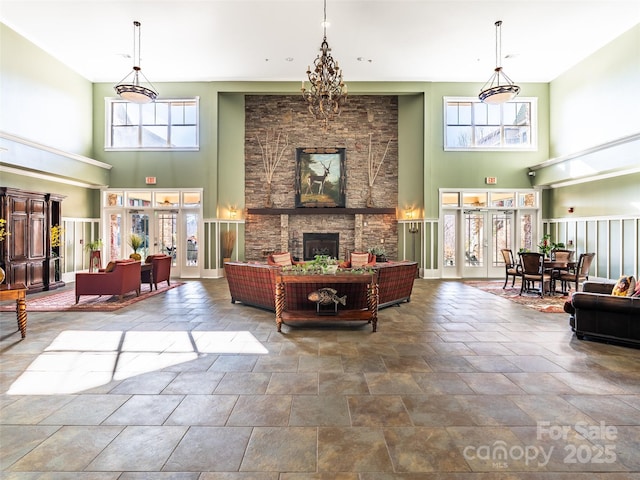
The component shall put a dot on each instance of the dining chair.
(562, 255)
(511, 268)
(532, 267)
(578, 274)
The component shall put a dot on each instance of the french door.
(485, 234)
(167, 222)
(170, 232)
(473, 239)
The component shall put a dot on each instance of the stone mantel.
(321, 211)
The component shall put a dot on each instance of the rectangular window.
(473, 125)
(159, 125)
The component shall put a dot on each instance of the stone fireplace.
(275, 125)
(320, 244)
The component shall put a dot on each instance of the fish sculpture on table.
(327, 296)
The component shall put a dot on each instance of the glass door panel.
(502, 237)
(114, 234)
(139, 223)
(474, 244)
(166, 233)
(450, 239)
(527, 231)
(191, 223)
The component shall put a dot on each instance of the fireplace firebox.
(320, 244)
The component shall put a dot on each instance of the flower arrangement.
(3, 232)
(56, 236)
(546, 245)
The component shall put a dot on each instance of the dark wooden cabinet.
(27, 255)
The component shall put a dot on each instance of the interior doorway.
(478, 225)
(167, 222)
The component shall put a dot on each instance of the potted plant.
(546, 246)
(94, 248)
(379, 252)
(135, 242)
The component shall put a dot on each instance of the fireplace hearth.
(320, 244)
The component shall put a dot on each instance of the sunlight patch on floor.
(77, 361)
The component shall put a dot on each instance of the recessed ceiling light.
(289, 59)
(362, 59)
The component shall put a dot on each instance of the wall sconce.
(570, 210)
(233, 213)
(410, 215)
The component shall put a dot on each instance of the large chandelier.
(496, 92)
(129, 87)
(327, 92)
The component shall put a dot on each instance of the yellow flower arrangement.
(56, 236)
(3, 232)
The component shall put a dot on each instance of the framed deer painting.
(320, 177)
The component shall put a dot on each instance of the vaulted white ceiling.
(275, 40)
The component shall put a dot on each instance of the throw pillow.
(110, 266)
(359, 259)
(637, 291)
(625, 286)
(282, 259)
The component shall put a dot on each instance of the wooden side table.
(146, 274)
(368, 281)
(17, 292)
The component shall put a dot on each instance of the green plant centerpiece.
(379, 252)
(135, 242)
(546, 245)
(323, 265)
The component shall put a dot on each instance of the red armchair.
(124, 278)
(160, 270)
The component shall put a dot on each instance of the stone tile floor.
(456, 384)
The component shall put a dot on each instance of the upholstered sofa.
(160, 270)
(122, 279)
(598, 314)
(254, 284)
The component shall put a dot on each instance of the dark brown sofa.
(254, 284)
(598, 314)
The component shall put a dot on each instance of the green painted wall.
(172, 169)
(231, 153)
(79, 202)
(411, 152)
(611, 196)
(469, 169)
(597, 100)
(41, 99)
(594, 103)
